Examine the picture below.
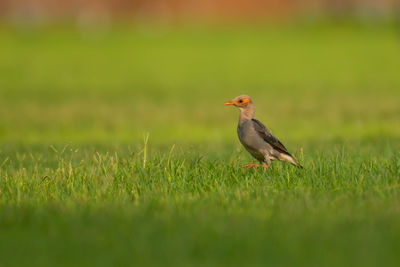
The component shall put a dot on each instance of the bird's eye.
(241, 101)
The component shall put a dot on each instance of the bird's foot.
(250, 165)
(253, 165)
(265, 166)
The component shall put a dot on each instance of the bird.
(256, 138)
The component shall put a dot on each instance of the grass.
(115, 148)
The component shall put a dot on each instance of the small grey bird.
(256, 138)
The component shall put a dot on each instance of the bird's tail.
(299, 166)
(293, 161)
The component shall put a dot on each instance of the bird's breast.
(247, 135)
(250, 139)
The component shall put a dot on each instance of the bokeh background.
(112, 71)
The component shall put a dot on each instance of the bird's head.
(242, 102)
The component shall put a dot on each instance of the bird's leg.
(250, 165)
(265, 166)
(253, 165)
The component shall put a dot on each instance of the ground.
(116, 149)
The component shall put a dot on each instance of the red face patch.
(242, 101)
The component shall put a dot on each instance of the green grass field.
(116, 149)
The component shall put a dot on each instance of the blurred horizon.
(176, 11)
(99, 80)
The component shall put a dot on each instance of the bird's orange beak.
(229, 103)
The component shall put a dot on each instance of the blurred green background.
(308, 82)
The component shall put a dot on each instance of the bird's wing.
(268, 137)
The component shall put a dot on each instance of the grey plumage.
(256, 138)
